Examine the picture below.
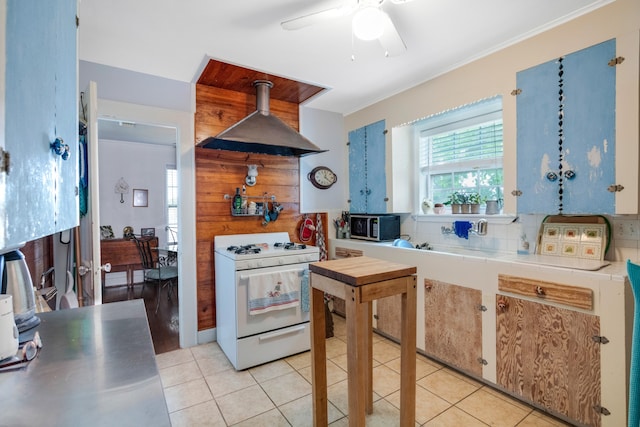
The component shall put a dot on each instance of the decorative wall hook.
(60, 148)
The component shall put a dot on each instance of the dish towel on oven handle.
(304, 291)
(273, 291)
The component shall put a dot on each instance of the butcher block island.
(360, 281)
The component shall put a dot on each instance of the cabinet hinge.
(384, 132)
(482, 361)
(516, 92)
(602, 410)
(386, 199)
(482, 307)
(77, 21)
(600, 339)
(375, 316)
(5, 161)
(615, 188)
(616, 61)
(516, 193)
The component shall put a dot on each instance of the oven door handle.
(281, 333)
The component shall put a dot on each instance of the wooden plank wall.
(219, 172)
(39, 257)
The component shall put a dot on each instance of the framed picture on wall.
(148, 232)
(140, 198)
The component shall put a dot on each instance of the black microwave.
(375, 227)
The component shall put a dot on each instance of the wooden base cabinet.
(453, 325)
(548, 356)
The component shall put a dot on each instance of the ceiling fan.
(369, 22)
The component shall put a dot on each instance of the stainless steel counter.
(96, 367)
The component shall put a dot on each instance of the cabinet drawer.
(347, 253)
(574, 296)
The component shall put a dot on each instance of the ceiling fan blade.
(317, 17)
(390, 40)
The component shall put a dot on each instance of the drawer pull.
(540, 291)
(281, 333)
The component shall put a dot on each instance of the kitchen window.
(461, 150)
(172, 204)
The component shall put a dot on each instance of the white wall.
(495, 74)
(142, 166)
(326, 130)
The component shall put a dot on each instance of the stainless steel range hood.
(262, 133)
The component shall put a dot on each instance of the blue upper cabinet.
(367, 176)
(40, 189)
(566, 146)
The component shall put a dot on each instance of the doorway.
(182, 121)
(138, 195)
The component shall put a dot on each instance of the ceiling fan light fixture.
(368, 23)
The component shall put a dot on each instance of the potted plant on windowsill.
(456, 200)
(473, 203)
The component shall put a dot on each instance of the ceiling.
(176, 38)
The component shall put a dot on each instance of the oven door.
(250, 323)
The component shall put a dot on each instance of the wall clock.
(322, 177)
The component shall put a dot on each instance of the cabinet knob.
(540, 292)
(569, 174)
(428, 286)
(502, 304)
(551, 176)
(60, 148)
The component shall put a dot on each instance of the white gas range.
(262, 293)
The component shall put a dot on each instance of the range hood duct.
(262, 133)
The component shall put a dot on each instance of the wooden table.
(123, 255)
(359, 281)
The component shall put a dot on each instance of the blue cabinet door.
(376, 175)
(566, 134)
(357, 171)
(367, 177)
(41, 105)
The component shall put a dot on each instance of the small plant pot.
(474, 208)
(456, 208)
(466, 208)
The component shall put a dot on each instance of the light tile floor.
(203, 389)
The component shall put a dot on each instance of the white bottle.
(8, 329)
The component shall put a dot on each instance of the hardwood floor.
(164, 324)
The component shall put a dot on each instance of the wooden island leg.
(318, 359)
(356, 355)
(408, 355)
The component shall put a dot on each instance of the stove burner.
(290, 246)
(243, 250)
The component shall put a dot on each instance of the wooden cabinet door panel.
(388, 311)
(453, 325)
(547, 355)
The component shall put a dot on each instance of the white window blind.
(461, 150)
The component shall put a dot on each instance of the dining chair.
(154, 271)
(633, 271)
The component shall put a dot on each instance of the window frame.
(468, 115)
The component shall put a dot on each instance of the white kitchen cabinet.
(595, 303)
(39, 191)
(550, 355)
